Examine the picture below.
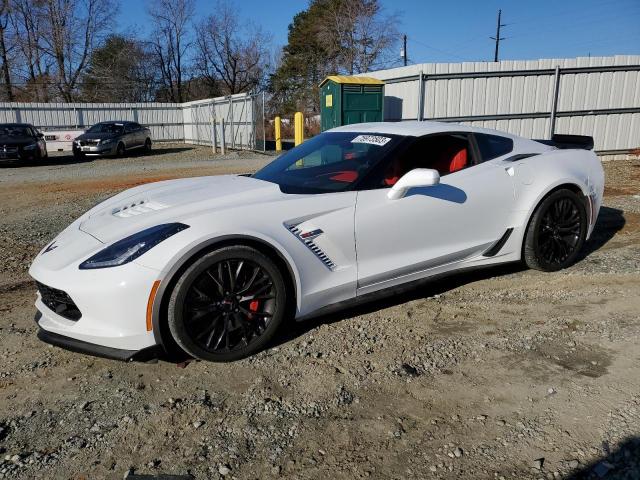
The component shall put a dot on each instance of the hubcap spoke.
(219, 313)
(559, 231)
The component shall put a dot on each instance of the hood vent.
(307, 238)
(137, 208)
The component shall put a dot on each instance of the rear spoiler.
(580, 142)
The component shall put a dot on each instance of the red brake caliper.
(253, 306)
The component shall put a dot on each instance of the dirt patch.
(479, 375)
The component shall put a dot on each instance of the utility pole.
(497, 38)
(404, 49)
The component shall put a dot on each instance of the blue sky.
(454, 31)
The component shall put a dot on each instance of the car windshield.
(14, 131)
(329, 162)
(107, 128)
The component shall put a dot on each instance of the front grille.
(89, 143)
(8, 149)
(59, 301)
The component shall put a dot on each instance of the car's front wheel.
(227, 305)
(556, 232)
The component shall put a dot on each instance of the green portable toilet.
(345, 100)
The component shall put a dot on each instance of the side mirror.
(418, 177)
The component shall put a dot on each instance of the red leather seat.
(451, 160)
(346, 176)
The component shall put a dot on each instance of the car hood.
(16, 140)
(172, 201)
(97, 136)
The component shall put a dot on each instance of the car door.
(140, 134)
(130, 135)
(431, 227)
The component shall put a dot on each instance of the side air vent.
(307, 238)
(496, 247)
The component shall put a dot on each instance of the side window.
(129, 127)
(493, 146)
(447, 153)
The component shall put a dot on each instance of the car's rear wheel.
(227, 305)
(556, 232)
(147, 145)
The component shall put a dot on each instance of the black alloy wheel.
(227, 305)
(147, 145)
(556, 231)
(120, 150)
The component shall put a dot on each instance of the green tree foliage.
(119, 71)
(330, 37)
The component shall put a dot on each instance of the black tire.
(556, 232)
(211, 312)
(147, 145)
(120, 150)
(79, 156)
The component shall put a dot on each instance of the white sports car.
(215, 265)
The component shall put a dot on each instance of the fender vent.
(496, 247)
(307, 239)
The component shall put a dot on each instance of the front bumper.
(95, 150)
(112, 302)
(144, 355)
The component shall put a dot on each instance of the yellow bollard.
(278, 129)
(298, 124)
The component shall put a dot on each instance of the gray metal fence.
(191, 122)
(597, 96)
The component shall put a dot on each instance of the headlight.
(106, 142)
(32, 146)
(130, 248)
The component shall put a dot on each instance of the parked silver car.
(112, 138)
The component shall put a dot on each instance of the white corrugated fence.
(596, 96)
(191, 122)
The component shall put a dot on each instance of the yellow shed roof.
(349, 79)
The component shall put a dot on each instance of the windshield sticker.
(372, 139)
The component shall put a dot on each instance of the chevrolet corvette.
(214, 266)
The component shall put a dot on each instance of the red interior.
(346, 176)
(447, 155)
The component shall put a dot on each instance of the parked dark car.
(112, 138)
(21, 141)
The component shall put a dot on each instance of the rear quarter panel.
(535, 177)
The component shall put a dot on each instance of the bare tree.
(4, 49)
(71, 30)
(170, 40)
(32, 65)
(360, 35)
(230, 54)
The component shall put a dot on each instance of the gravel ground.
(503, 374)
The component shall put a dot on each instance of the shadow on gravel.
(610, 221)
(622, 463)
(422, 289)
(159, 150)
(47, 162)
(69, 159)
